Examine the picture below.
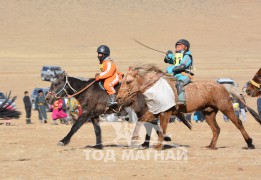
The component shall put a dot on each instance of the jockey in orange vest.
(108, 73)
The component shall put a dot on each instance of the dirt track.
(225, 42)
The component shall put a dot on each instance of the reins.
(142, 90)
(86, 87)
(75, 92)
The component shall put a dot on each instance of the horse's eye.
(57, 84)
(128, 81)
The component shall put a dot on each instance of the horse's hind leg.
(238, 123)
(82, 119)
(211, 120)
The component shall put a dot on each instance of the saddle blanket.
(160, 97)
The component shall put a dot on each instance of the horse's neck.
(149, 80)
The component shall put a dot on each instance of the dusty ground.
(225, 42)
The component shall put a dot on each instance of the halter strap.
(255, 83)
(63, 89)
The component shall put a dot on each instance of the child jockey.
(108, 73)
(181, 70)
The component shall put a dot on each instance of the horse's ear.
(63, 74)
(55, 73)
(134, 73)
(129, 79)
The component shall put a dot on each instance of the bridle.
(258, 85)
(63, 88)
(142, 90)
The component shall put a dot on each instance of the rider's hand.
(97, 76)
(169, 56)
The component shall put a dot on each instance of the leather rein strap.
(75, 94)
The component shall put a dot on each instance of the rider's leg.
(182, 81)
(109, 84)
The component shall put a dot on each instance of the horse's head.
(254, 86)
(137, 79)
(129, 87)
(57, 88)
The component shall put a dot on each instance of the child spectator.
(59, 111)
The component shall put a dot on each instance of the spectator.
(198, 116)
(28, 107)
(242, 109)
(236, 107)
(59, 111)
(259, 105)
(40, 105)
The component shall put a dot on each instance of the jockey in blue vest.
(182, 61)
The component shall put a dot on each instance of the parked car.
(3, 98)
(227, 81)
(47, 72)
(35, 93)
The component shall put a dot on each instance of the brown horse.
(254, 86)
(206, 96)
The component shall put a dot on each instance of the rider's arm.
(186, 60)
(109, 70)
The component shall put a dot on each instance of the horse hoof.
(95, 146)
(211, 147)
(249, 147)
(60, 143)
(167, 138)
(145, 145)
(158, 147)
(135, 138)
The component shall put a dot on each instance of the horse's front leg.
(135, 134)
(97, 130)
(82, 119)
(164, 120)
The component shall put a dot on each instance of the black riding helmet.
(183, 41)
(105, 51)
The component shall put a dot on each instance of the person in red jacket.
(109, 73)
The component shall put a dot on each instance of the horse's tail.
(233, 91)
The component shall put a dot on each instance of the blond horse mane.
(151, 70)
(149, 74)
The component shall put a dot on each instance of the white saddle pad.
(160, 97)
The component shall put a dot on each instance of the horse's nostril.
(118, 99)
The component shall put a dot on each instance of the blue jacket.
(186, 60)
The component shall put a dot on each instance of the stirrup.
(181, 103)
(110, 104)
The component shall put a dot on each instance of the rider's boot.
(181, 93)
(111, 100)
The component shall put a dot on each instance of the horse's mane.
(152, 69)
(146, 68)
(82, 78)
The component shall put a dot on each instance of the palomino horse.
(254, 86)
(93, 101)
(208, 97)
